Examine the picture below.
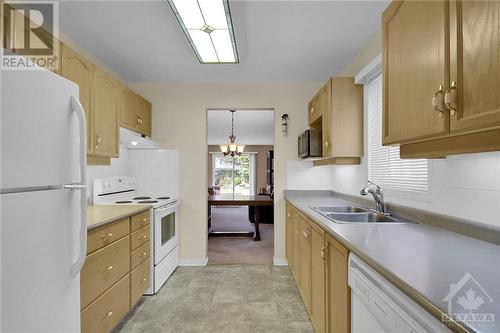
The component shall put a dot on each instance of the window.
(234, 175)
(384, 165)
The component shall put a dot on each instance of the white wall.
(180, 121)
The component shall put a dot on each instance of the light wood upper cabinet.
(144, 116)
(341, 121)
(414, 69)
(76, 68)
(106, 137)
(441, 78)
(475, 64)
(318, 286)
(128, 107)
(338, 292)
(135, 112)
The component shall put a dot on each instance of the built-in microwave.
(310, 143)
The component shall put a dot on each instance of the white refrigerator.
(42, 202)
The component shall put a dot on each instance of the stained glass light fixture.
(208, 27)
(232, 148)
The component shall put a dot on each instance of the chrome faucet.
(377, 194)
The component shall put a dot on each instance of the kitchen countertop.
(99, 215)
(420, 259)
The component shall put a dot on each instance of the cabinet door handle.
(311, 110)
(107, 236)
(326, 143)
(450, 98)
(98, 140)
(107, 315)
(323, 253)
(141, 237)
(143, 280)
(437, 101)
(107, 269)
(289, 215)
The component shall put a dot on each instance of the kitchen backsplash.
(465, 186)
(119, 167)
(301, 175)
(156, 170)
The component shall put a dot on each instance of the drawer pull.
(109, 314)
(143, 280)
(144, 220)
(107, 269)
(144, 254)
(141, 237)
(107, 236)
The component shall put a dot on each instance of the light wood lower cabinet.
(338, 292)
(304, 256)
(103, 268)
(107, 310)
(319, 265)
(317, 310)
(107, 234)
(139, 237)
(139, 255)
(139, 281)
(116, 272)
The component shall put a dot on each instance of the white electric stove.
(164, 223)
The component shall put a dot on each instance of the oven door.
(166, 235)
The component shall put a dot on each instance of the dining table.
(259, 201)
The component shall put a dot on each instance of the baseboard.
(193, 262)
(280, 262)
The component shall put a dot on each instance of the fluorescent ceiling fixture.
(208, 28)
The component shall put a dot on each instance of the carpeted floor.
(239, 250)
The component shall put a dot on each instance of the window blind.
(384, 165)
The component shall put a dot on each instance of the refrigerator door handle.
(82, 128)
(82, 233)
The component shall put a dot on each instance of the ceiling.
(278, 41)
(251, 127)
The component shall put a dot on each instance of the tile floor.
(222, 299)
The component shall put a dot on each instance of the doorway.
(245, 173)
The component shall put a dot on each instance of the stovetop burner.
(163, 198)
(123, 202)
(147, 201)
(142, 198)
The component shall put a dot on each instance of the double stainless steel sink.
(352, 214)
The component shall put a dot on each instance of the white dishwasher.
(377, 306)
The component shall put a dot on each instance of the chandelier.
(232, 148)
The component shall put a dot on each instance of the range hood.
(132, 140)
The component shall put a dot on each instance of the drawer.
(102, 315)
(139, 254)
(107, 234)
(139, 282)
(103, 268)
(139, 221)
(139, 237)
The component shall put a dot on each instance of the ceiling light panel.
(208, 27)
